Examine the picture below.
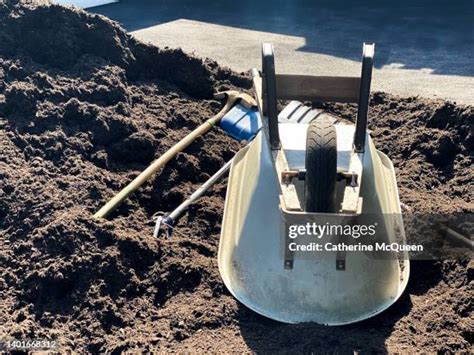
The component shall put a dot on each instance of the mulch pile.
(84, 108)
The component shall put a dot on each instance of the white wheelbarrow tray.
(250, 249)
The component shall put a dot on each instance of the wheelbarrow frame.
(270, 87)
(344, 89)
(261, 200)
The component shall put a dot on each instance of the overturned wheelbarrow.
(306, 167)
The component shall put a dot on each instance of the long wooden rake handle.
(165, 158)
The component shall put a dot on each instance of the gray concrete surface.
(423, 48)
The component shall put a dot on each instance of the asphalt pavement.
(423, 48)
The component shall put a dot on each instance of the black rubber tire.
(321, 166)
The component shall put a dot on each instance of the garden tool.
(232, 97)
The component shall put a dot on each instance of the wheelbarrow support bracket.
(364, 97)
(269, 96)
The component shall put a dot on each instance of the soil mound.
(84, 108)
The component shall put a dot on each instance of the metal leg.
(364, 93)
(269, 94)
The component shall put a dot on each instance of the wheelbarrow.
(305, 167)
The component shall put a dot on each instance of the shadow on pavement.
(408, 34)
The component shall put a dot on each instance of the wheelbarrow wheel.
(321, 166)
